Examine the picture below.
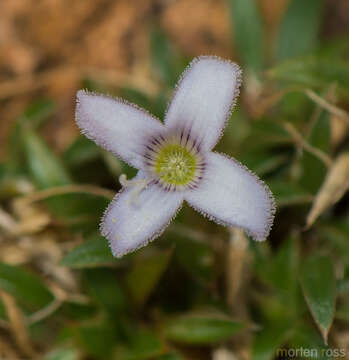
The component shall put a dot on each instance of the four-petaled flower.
(175, 159)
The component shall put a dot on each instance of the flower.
(175, 159)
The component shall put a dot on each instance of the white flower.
(175, 159)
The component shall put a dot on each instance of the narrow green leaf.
(98, 339)
(281, 271)
(200, 330)
(33, 116)
(288, 193)
(145, 274)
(343, 283)
(268, 342)
(195, 257)
(169, 356)
(103, 285)
(262, 162)
(44, 166)
(343, 312)
(47, 170)
(263, 135)
(82, 150)
(248, 31)
(313, 169)
(93, 252)
(337, 235)
(38, 111)
(81, 212)
(300, 27)
(319, 289)
(143, 345)
(26, 287)
(3, 314)
(304, 337)
(137, 97)
(166, 62)
(313, 71)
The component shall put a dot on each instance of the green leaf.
(263, 135)
(93, 252)
(26, 287)
(82, 150)
(145, 273)
(143, 345)
(248, 31)
(3, 314)
(306, 337)
(136, 97)
(104, 287)
(268, 341)
(169, 356)
(300, 27)
(343, 311)
(160, 104)
(336, 234)
(201, 329)
(197, 258)
(98, 339)
(33, 116)
(282, 303)
(343, 283)
(289, 193)
(167, 64)
(237, 129)
(313, 169)
(262, 162)
(281, 272)
(319, 289)
(295, 107)
(44, 166)
(38, 111)
(313, 71)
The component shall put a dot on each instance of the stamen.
(138, 186)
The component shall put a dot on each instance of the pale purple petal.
(231, 195)
(132, 220)
(204, 98)
(116, 125)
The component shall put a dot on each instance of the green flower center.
(175, 165)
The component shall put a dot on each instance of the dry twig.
(302, 142)
(67, 189)
(334, 110)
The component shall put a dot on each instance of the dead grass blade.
(7, 352)
(236, 257)
(298, 138)
(332, 109)
(17, 325)
(333, 188)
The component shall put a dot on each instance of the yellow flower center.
(175, 161)
(175, 165)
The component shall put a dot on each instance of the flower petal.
(130, 221)
(116, 125)
(231, 195)
(204, 98)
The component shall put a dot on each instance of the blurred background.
(200, 291)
